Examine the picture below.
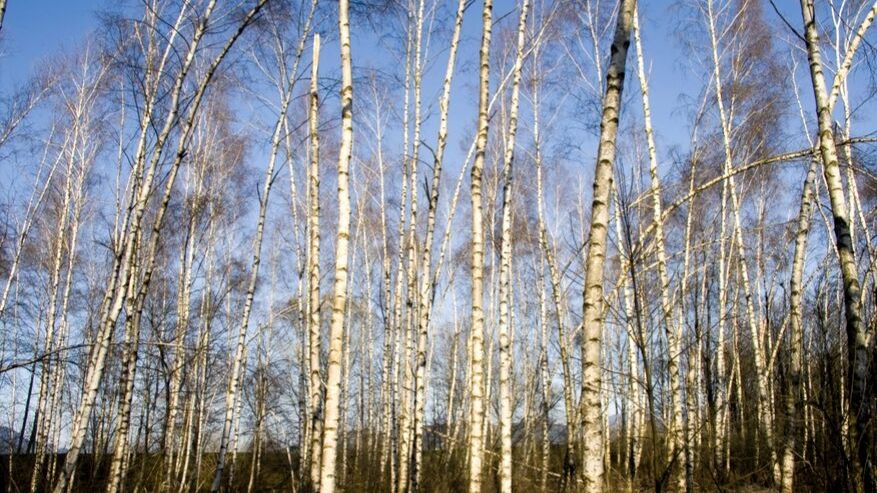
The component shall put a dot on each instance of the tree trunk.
(592, 316)
(476, 370)
(672, 330)
(859, 403)
(505, 275)
(339, 301)
(313, 255)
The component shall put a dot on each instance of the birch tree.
(592, 315)
(339, 296)
(476, 343)
(505, 291)
(856, 332)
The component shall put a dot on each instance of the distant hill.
(9, 440)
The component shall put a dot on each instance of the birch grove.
(431, 246)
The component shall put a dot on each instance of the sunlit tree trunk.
(765, 421)
(545, 378)
(339, 301)
(476, 366)
(113, 300)
(413, 78)
(793, 402)
(239, 361)
(55, 265)
(505, 275)
(313, 255)
(187, 257)
(671, 327)
(427, 286)
(118, 466)
(592, 316)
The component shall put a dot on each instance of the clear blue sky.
(34, 29)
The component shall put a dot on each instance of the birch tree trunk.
(239, 361)
(427, 286)
(545, 377)
(592, 315)
(313, 255)
(123, 262)
(118, 464)
(505, 275)
(671, 327)
(794, 404)
(339, 301)
(765, 416)
(476, 370)
(857, 334)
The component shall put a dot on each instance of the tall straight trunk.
(413, 307)
(592, 315)
(545, 383)
(505, 274)
(118, 466)
(634, 342)
(339, 295)
(55, 267)
(793, 402)
(856, 332)
(692, 383)
(401, 363)
(543, 310)
(118, 463)
(184, 301)
(633, 305)
(201, 361)
(427, 287)
(313, 255)
(476, 370)
(450, 414)
(387, 389)
(672, 329)
(554, 277)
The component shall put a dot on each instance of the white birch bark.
(427, 286)
(592, 317)
(857, 335)
(765, 421)
(113, 300)
(476, 370)
(339, 301)
(239, 361)
(672, 330)
(505, 291)
(314, 320)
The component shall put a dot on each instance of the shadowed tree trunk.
(858, 336)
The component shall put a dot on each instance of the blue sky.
(34, 29)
